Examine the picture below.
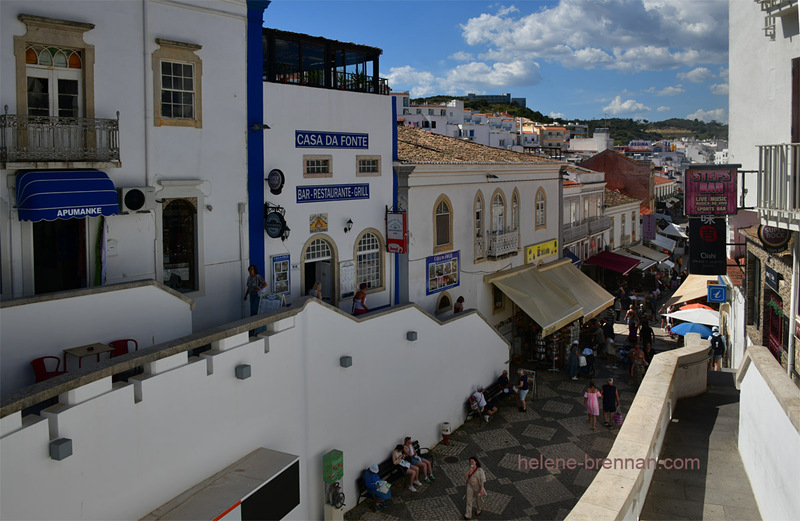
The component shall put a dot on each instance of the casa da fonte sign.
(711, 190)
(316, 139)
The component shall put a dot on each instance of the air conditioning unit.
(137, 199)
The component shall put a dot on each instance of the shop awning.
(538, 296)
(572, 257)
(643, 262)
(587, 292)
(54, 194)
(664, 242)
(694, 287)
(648, 253)
(613, 261)
(668, 263)
(674, 231)
(664, 216)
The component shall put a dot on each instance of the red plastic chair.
(40, 368)
(121, 347)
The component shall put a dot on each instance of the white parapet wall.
(619, 489)
(45, 325)
(137, 445)
(769, 433)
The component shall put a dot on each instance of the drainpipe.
(148, 121)
(793, 304)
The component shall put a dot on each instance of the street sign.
(717, 293)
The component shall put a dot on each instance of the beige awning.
(539, 296)
(694, 287)
(650, 253)
(592, 297)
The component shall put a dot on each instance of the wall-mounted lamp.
(346, 361)
(411, 336)
(243, 372)
(259, 126)
(209, 208)
(348, 225)
(285, 234)
(491, 176)
(60, 449)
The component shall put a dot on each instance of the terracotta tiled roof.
(736, 273)
(644, 209)
(420, 146)
(663, 180)
(571, 183)
(617, 198)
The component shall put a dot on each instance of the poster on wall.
(443, 272)
(707, 236)
(280, 274)
(711, 189)
(347, 278)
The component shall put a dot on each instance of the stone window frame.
(360, 158)
(317, 157)
(492, 223)
(381, 258)
(438, 309)
(437, 248)
(174, 51)
(56, 33)
(479, 227)
(541, 195)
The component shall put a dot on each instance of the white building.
(330, 136)
(160, 106)
(587, 229)
(600, 140)
(477, 215)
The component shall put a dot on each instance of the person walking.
(610, 402)
(255, 283)
(718, 347)
(475, 480)
(360, 300)
(523, 386)
(572, 365)
(590, 401)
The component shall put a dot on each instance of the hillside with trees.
(622, 130)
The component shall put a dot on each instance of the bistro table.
(88, 350)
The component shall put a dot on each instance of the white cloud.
(698, 75)
(626, 35)
(720, 89)
(723, 73)
(419, 83)
(668, 91)
(662, 108)
(556, 115)
(468, 77)
(630, 106)
(462, 56)
(718, 115)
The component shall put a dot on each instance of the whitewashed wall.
(124, 38)
(769, 433)
(461, 183)
(288, 108)
(145, 313)
(134, 451)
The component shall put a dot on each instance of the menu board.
(280, 274)
(347, 278)
(443, 271)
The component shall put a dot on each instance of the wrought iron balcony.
(503, 243)
(51, 139)
(778, 198)
(599, 224)
(573, 232)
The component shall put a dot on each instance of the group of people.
(406, 460)
(487, 408)
(610, 396)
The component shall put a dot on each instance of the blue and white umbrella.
(691, 327)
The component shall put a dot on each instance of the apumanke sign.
(711, 190)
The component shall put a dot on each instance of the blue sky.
(587, 59)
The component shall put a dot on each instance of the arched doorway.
(319, 265)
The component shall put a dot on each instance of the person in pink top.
(590, 398)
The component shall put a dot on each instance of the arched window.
(498, 212)
(179, 224)
(479, 226)
(515, 210)
(369, 248)
(318, 250)
(541, 209)
(442, 225)
(443, 303)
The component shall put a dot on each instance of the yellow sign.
(543, 249)
(318, 222)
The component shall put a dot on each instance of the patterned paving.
(555, 426)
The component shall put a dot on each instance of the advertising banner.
(542, 249)
(711, 190)
(707, 237)
(648, 227)
(443, 271)
(281, 281)
(396, 235)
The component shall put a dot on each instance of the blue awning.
(574, 258)
(64, 194)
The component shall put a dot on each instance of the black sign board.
(771, 277)
(707, 237)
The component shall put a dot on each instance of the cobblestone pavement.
(555, 426)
